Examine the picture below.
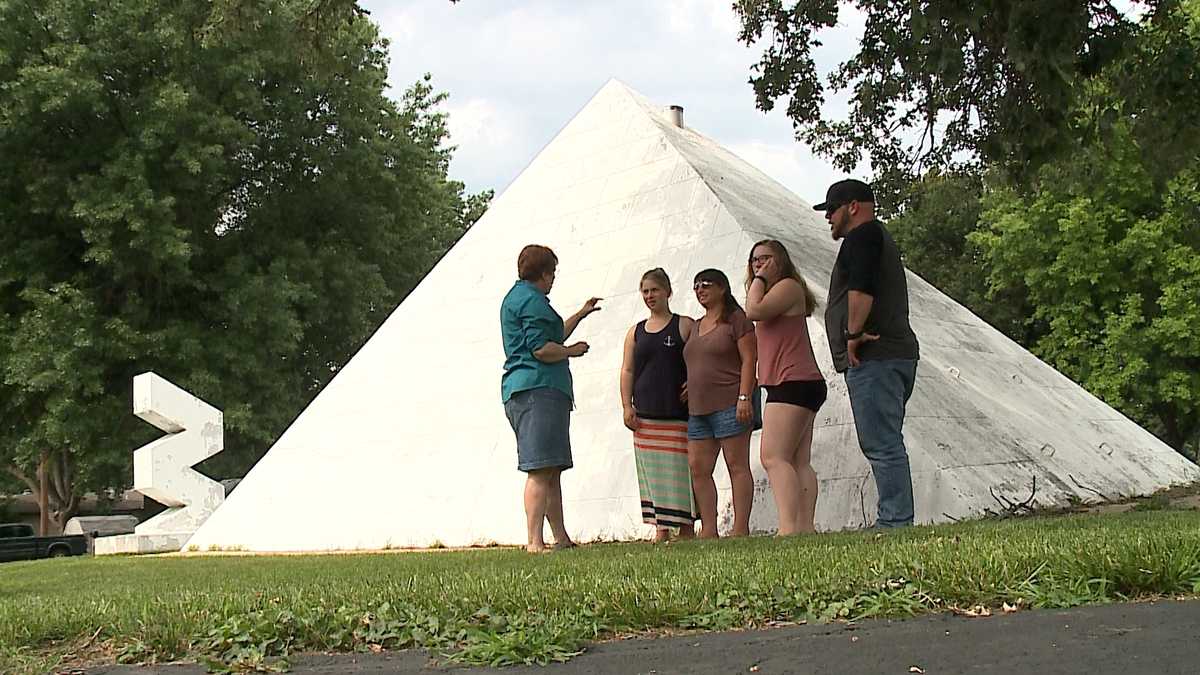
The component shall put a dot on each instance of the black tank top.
(659, 372)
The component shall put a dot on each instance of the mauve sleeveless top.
(785, 353)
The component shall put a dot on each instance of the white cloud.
(516, 75)
(477, 122)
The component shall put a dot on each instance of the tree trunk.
(52, 483)
(66, 512)
(61, 488)
(43, 493)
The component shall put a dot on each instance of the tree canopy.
(935, 84)
(219, 192)
(1111, 269)
(1039, 164)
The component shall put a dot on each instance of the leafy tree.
(1112, 269)
(219, 192)
(1081, 242)
(1153, 93)
(932, 230)
(937, 84)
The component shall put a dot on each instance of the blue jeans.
(879, 391)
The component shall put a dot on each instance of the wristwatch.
(853, 336)
(743, 397)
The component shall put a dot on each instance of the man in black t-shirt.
(866, 321)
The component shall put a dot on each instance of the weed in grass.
(136, 651)
(895, 597)
(532, 639)
(256, 642)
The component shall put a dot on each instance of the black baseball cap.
(844, 192)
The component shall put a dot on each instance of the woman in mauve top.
(780, 302)
(720, 355)
(653, 378)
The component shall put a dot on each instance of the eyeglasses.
(702, 284)
(761, 258)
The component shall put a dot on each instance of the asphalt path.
(1125, 639)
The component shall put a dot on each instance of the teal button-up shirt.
(527, 321)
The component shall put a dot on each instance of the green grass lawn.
(504, 606)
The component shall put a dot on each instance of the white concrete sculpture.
(162, 470)
(409, 446)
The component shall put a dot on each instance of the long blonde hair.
(788, 269)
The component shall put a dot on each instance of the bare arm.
(686, 325)
(551, 352)
(762, 304)
(627, 372)
(860, 309)
(573, 321)
(748, 349)
(628, 414)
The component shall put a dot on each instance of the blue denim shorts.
(721, 424)
(541, 419)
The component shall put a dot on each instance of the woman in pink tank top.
(779, 302)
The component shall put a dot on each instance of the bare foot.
(662, 535)
(564, 545)
(535, 548)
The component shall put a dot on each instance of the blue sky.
(517, 72)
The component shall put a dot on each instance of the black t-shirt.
(869, 261)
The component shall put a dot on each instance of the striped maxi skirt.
(664, 479)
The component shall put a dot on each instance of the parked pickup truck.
(18, 543)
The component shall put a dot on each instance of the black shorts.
(805, 393)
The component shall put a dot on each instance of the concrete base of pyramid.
(141, 543)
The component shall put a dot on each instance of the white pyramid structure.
(408, 446)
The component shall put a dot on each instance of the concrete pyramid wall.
(409, 446)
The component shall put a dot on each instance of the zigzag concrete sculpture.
(162, 470)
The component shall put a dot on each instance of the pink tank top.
(785, 352)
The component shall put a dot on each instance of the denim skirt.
(541, 419)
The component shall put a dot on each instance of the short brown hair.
(535, 261)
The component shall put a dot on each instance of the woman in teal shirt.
(536, 389)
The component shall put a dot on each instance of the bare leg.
(808, 477)
(662, 534)
(737, 459)
(537, 488)
(782, 426)
(687, 531)
(554, 510)
(702, 459)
